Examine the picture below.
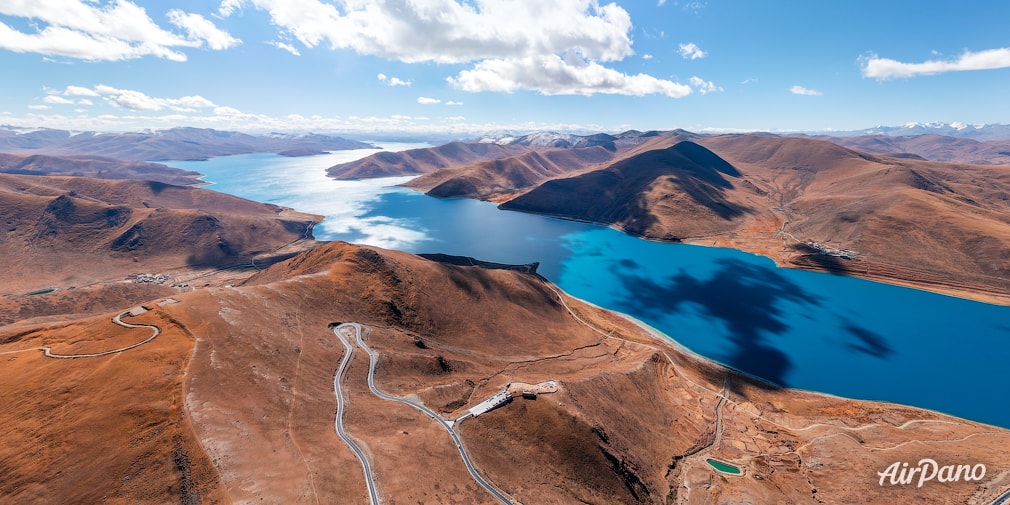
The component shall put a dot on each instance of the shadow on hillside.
(702, 179)
(812, 258)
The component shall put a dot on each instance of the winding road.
(118, 319)
(373, 358)
(338, 424)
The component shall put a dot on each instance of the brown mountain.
(931, 147)
(234, 402)
(421, 161)
(66, 233)
(680, 191)
(502, 179)
(937, 226)
(96, 167)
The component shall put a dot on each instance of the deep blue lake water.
(821, 332)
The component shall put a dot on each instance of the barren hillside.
(67, 233)
(235, 402)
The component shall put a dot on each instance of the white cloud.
(551, 75)
(502, 38)
(57, 100)
(85, 101)
(703, 86)
(886, 68)
(227, 7)
(800, 90)
(80, 91)
(691, 51)
(423, 100)
(201, 30)
(451, 102)
(450, 31)
(80, 111)
(226, 111)
(646, 56)
(97, 30)
(393, 81)
(38, 107)
(136, 100)
(287, 47)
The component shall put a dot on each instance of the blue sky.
(461, 67)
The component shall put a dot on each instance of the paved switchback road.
(373, 358)
(338, 424)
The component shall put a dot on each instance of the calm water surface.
(834, 334)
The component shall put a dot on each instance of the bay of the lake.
(815, 331)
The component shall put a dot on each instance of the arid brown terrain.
(95, 167)
(233, 402)
(806, 203)
(931, 147)
(74, 245)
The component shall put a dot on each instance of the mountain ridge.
(181, 143)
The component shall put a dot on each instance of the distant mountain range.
(171, 144)
(956, 129)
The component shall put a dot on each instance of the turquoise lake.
(821, 332)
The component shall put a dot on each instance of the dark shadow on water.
(868, 342)
(629, 264)
(745, 297)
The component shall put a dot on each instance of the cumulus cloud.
(57, 100)
(552, 75)
(451, 102)
(80, 91)
(491, 34)
(703, 86)
(450, 31)
(800, 90)
(393, 81)
(691, 51)
(886, 68)
(135, 100)
(201, 30)
(423, 100)
(98, 30)
(287, 47)
(226, 111)
(85, 101)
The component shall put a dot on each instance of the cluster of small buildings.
(151, 278)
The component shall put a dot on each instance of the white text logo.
(928, 469)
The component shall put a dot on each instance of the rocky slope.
(63, 234)
(234, 403)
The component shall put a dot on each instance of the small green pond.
(723, 467)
